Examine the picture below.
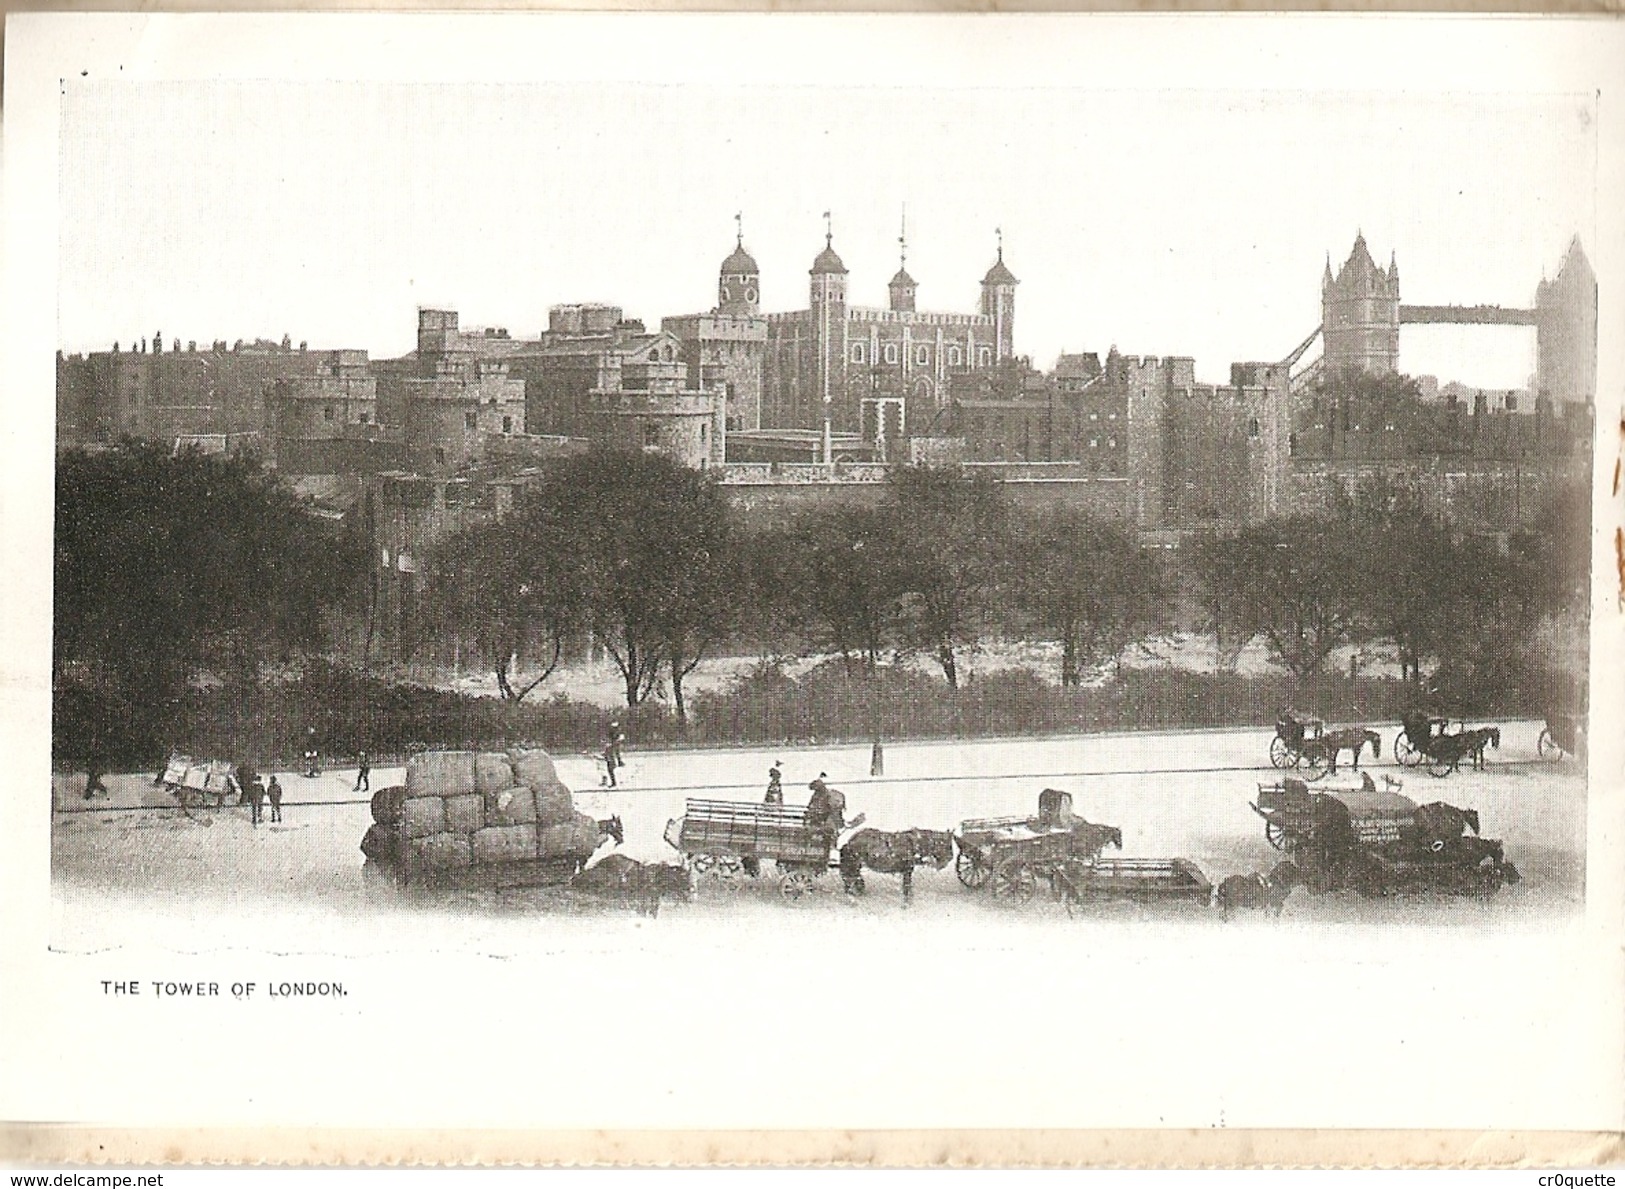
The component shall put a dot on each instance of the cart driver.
(826, 810)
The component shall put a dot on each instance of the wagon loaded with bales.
(500, 819)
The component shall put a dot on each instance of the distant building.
(728, 345)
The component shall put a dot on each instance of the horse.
(610, 828)
(1258, 891)
(1351, 739)
(1480, 738)
(893, 854)
(1089, 839)
(1438, 822)
(644, 884)
(1449, 750)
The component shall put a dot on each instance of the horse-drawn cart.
(1013, 853)
(1379, 842)
(1302, 741)
(197, 782)
(727, 839)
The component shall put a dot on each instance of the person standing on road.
(275, 792)
(826, 810)
(256, 797)
(93, 779)
(610, 762)
(363, 775)
(312, 753)
(775, 786)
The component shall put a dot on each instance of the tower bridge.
(1361, 315)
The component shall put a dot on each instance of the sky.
(1159, 221)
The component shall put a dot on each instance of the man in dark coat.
(275, 792)
(363, 773)
(256, 797)
(826, 810)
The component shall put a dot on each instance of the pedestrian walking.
(256, 797)
(275, 792)
(610, 763)
(312, 753)
(775, 785)
(363, 774)
(93, 779)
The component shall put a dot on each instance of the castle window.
(1111, 443)
(984, 356)
(859, 353)
(1094, 443)
(891, 352)
(704, 433)
(327, 413)
(471, 420)
(507, 425)
(1512, 402)
(365, 418)
(651, 435)
(1252, 427)
(923, 355)
(954, 358)
(1094, 416)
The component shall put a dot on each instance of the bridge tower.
(1566, 332)
(1359, 313)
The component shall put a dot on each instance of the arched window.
(922, 356)
(1252, 427)
(891, 352)
(954, 357)
(984, 356)
(859, 353)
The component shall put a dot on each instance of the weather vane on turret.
(902, 240)
(739, 229)
(829, 230)
(998, 233)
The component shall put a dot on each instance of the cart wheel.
(1439, 767)
(1276, 835)
(1314, 763)
(1280, 754)
(702, 865)
(729, 868)
(970, 869)
(795, 884)
(1405, 753)
(1547, 746)
(1015, 881)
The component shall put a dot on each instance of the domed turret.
(828, 273)
(739, 283)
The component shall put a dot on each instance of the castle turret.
(902, 287)
(739, 284)
(999, 303)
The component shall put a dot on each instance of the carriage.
(1297, 744)
(1012, 855)
(1563, 735)
(1012, 851)
(729, 839)
(196, 782)
(1379, 842)
(1426, 739)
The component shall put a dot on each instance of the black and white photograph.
(718, 572)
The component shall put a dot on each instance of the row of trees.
(647, 557)
(169, 567)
